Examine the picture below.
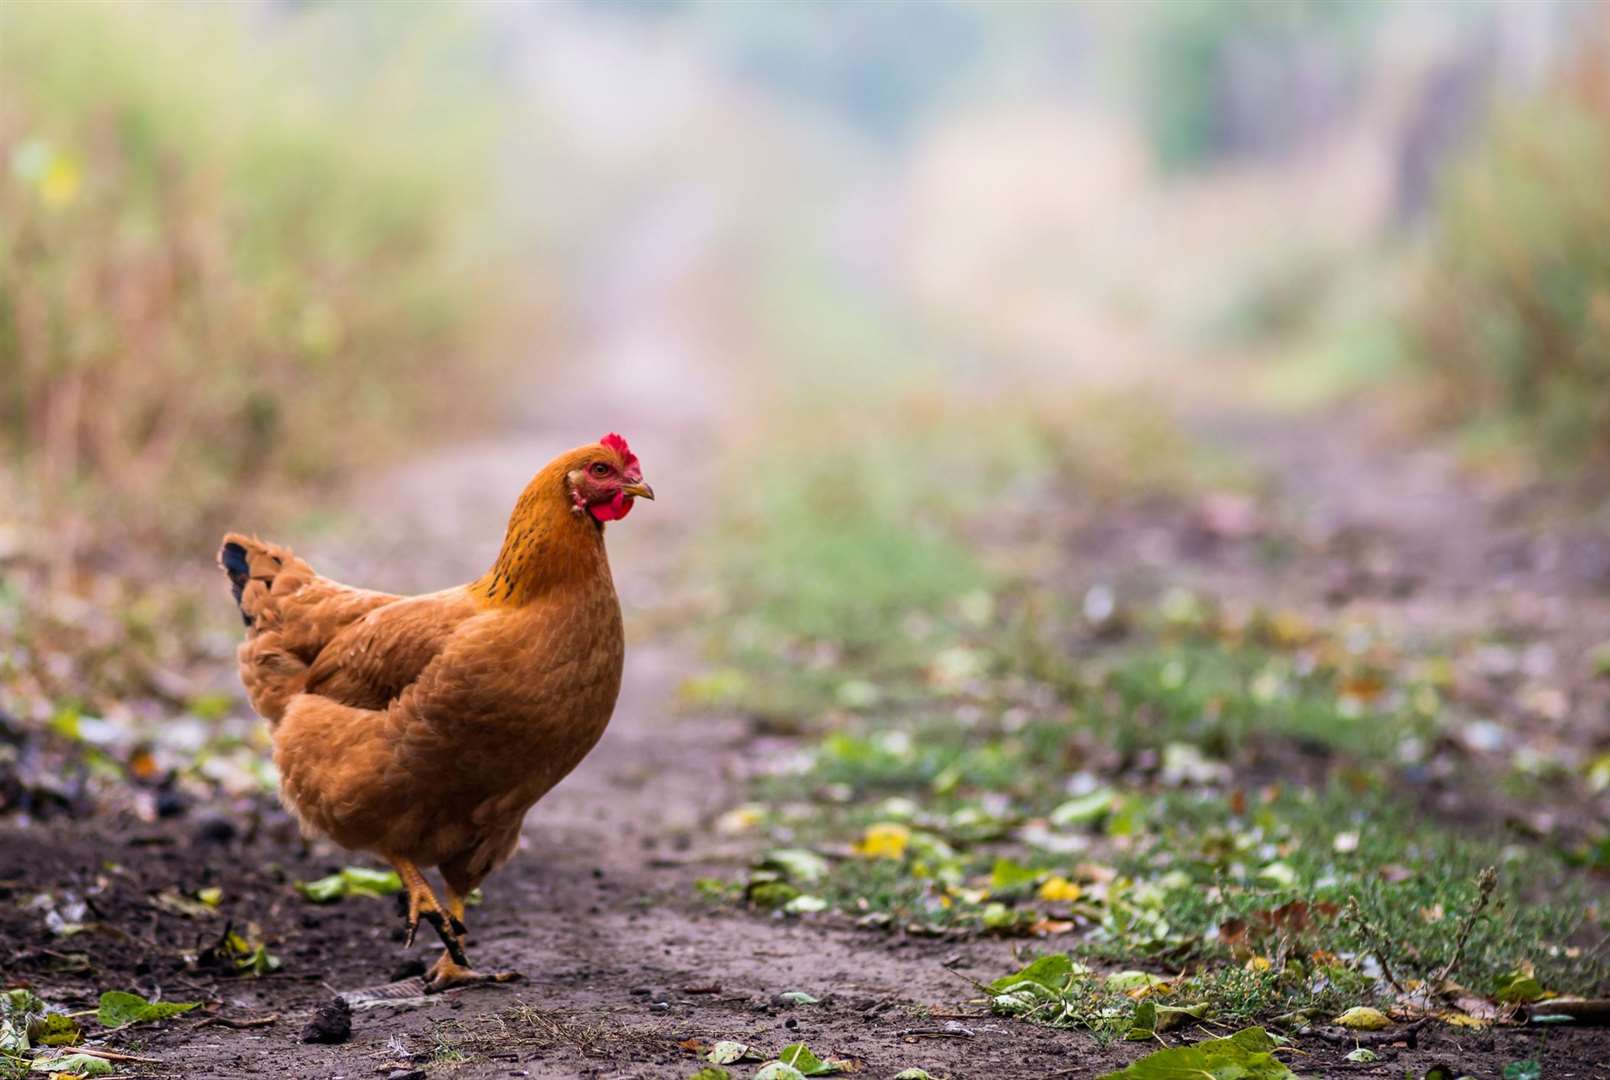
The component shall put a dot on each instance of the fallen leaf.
(76, 1064)
(56, 1029)
(776, 1070)
(1363, 1018)
(1084, 810)
(1246, 1055)
(728, 1051)
(1519, 986)
(1143, 1025)
(119, 1009)
(799, 865)
(1059, 889)
(175, 902)
(798, 1056)
(351, 881)
(885, 840)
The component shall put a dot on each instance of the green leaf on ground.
(76, 1064)
(240, 954)
(351, 881)
(1010, 877)
(1246, 1055)
(1143, 1025)
(799, 997)
(1519, 986)
(711, 1072)
(1170, 1017)
(776, 1070)
(1525, 1069)
(1050, 973)
(56, 1029)
(119, 1009)
(1085, 810)
(799, 865)
(19, 1009)
(799, 1056)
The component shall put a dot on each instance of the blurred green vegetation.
(237, 249)
(1511, 316)
(1192, 53)
(883, 534)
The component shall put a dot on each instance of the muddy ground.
(626, 969)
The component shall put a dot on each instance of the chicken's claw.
(449, 929)
(422, 904)
(449, 973)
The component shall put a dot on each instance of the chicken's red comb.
(618, 444)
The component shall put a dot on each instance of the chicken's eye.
(600, 469)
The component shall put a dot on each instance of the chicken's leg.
(422, 903)
(450, 970)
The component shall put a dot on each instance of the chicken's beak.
(638, 490)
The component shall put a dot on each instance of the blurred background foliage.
(233, 253)
(1510, 318)
(244, 242)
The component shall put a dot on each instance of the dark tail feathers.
(232, 557)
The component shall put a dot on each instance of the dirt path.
(623, 963)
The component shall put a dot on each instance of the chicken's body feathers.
(423, 728)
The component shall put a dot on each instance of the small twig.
(1373, 938)
(1371, 1038)
(974, 983)
(1486, 881)
(112, 1055)
(238, 1025)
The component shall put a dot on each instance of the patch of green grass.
(874, 567)
(1112, 811)
(1225, 698)
(1192, 787)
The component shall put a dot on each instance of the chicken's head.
(606, 479)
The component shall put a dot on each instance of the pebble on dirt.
(331, 1023)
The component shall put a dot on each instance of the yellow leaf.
(1259, 963)
(1363, 1018)
(740, 819)
(60, 183)
(1060, 889)
(885, 840)
(1462, 1020)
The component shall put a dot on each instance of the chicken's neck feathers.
(547, 546)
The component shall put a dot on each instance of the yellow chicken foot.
(450, 971)
(445, 974)
(422, 903)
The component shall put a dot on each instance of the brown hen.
(422, 728)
